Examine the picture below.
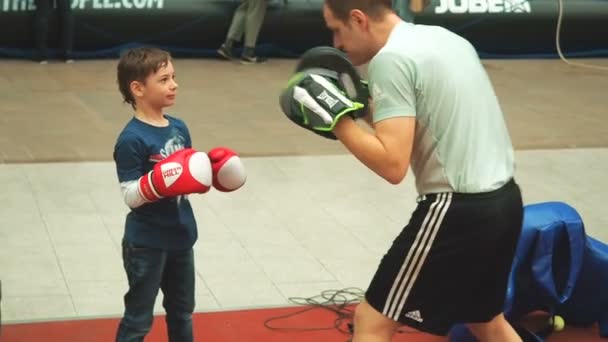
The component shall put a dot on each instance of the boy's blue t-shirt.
(168, 223)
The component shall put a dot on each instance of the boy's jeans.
(149, 269)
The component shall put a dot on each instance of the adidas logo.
(415, 315)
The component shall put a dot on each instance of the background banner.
(497, 28)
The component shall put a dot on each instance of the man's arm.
(392, 115)
(387, 152)
(368, 120)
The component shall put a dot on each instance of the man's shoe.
(226, 52)
(245, 59)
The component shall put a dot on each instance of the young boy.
(157, 168)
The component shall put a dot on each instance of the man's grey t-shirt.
(461, 142)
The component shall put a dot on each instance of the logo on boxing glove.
(171, 172)
(183, 172)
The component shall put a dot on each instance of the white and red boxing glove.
(183, 172)
(228, 169)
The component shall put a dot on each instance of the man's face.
(349, 36)
(160, 87)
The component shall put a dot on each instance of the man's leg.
(178, 289)
(498, 329)
(253, 24)
(41, 28)
(236, 30)
(372, 326)
(237, 26)
(144, 268)
(67, 27)
(505, 215)
(414, 283)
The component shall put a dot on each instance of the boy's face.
(159, 89)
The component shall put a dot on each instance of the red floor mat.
(226, 326)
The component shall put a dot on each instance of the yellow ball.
(557, 322)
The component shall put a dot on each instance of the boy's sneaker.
(226, 52)
(246, 59)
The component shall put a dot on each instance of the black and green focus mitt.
(325, 87)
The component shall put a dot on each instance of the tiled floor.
(301, 225)
(73, 112)
(310, 217)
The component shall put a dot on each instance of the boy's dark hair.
(135, 65)
(373, 8)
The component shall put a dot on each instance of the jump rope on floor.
(339, 302)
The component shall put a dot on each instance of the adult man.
(434, 108)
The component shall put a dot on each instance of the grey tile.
(98, 297)
(204, 303)
(300, 226)
(90, 262)
(46, 282)
(15, 309)
(232, 276)
(76, 229)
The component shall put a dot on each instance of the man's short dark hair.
(135, 65)
(373, 8)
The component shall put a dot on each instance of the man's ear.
(359, 18)
(137, 88)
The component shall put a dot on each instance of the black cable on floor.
(336, 301)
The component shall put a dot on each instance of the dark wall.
(497, 28)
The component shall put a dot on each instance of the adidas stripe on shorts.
(452, 261)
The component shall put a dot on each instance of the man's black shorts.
(452, 261)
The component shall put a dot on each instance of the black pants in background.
(41, 26)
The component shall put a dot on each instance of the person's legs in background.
(235, 32)
(67, 28)
(253, 24)
(41, 29)
(247, 21)
(178, 289)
